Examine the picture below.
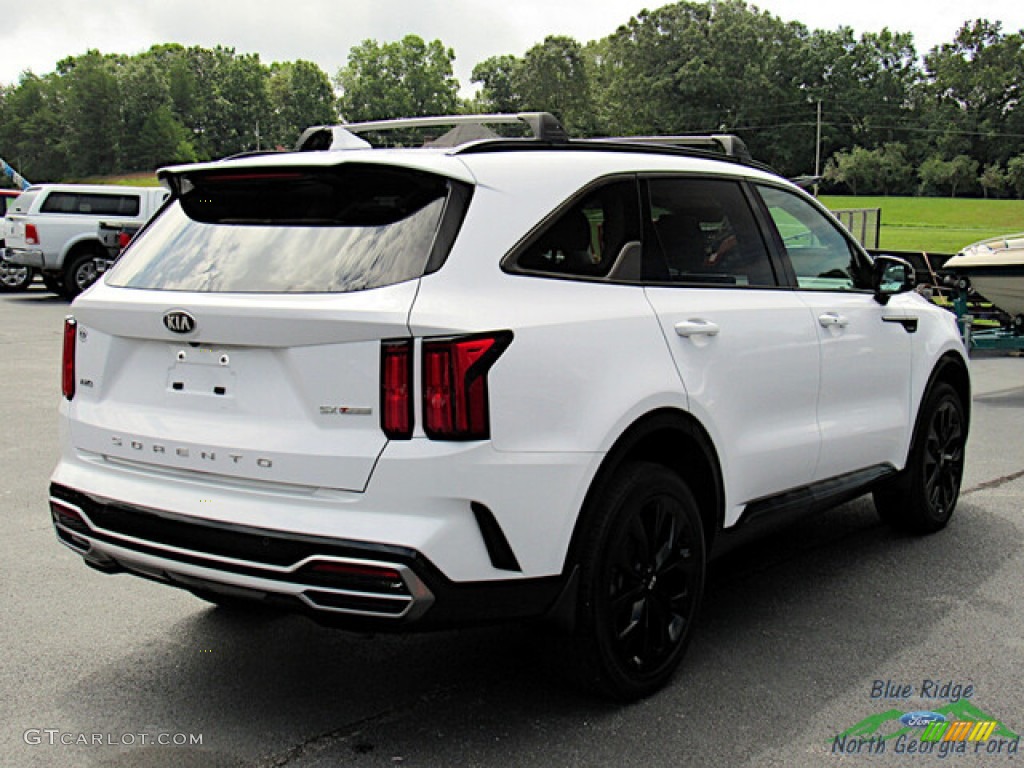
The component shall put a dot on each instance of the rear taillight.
(396, 389)
(67, 378)
(123, 238)
(455, 398)
(31, 235)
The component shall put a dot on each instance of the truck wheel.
(642, 578)
(81, 271)
(14, 277)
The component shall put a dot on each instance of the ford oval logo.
(179, 321)
(922, 718)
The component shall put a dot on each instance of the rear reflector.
(455, 396)
(67, 379)
(396, 389)
(360, 577)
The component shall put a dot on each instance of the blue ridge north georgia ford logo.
(179, 321)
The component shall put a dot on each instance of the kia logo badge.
(179, 321)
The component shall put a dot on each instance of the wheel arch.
(79, 244)
(677, 441)
(951, 369)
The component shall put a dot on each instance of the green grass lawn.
(937, 224)
(139, 179)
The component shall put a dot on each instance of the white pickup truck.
(54, 228)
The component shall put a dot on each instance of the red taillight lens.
(455, 397)
(396, 389)
(31, 235)
(123, 238)
(67, 379)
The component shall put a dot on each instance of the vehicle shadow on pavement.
(790, 624)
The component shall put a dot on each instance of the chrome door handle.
(833, 320)
(696, 327)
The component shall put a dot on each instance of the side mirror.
(891, 275)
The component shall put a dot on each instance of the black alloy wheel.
(943, 459)
(642, 581)
(923, 498)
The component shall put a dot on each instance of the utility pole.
(817, 151)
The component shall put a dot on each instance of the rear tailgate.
(285, 393)
(241, 333)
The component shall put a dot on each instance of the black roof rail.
(723, 143)
(709, 152)
(543, 125)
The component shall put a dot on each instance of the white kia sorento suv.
(513, 378)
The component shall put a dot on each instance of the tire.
(923, 498)
(641, 581)
(81, 271)
(15, 278)
(53, 283)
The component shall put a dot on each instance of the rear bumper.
(337, 582)
(24, 258)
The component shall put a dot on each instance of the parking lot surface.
(820, 630)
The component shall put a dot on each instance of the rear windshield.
(307, 231)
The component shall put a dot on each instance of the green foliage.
(501, 79)
(408, 78)
(300, 95)
(993, 180)
(885, 169)
(951, 123)
(98, 114)
(940, 176)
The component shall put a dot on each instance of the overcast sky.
(35, 34)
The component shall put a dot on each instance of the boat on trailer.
(995, 269)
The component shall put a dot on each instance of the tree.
(408, 78)
(1015, 175)
(500, 78)
(31, 127)
(993, 180)
(702, 67)
(939, 175)
(300, 95)
(153, 134)
(553, 78)
(975, 91)
(93, 120)
(866, 86)
(871, 171)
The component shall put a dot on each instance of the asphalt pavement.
(811, 642)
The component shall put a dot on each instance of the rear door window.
(703, 232)
(350, 228)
